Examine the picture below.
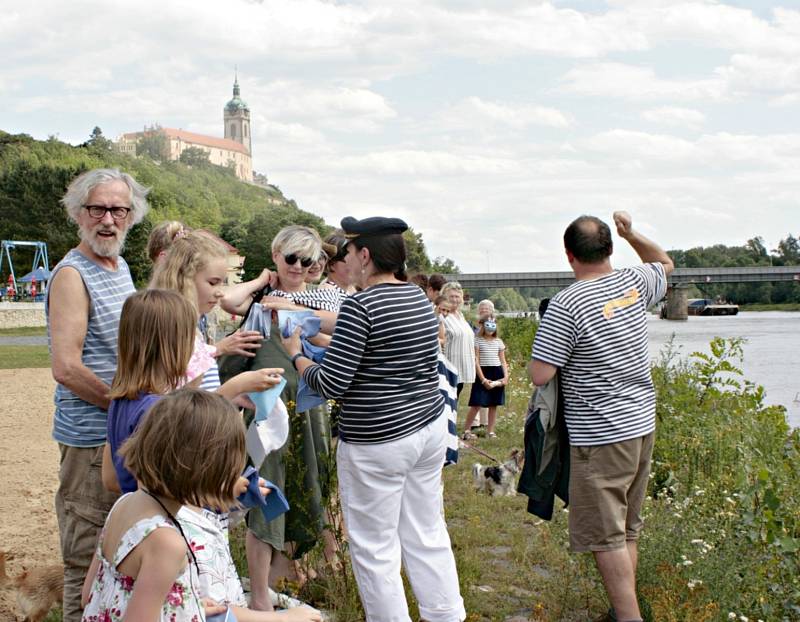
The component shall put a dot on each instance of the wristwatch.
(294, 359)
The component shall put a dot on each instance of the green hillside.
(34, 175)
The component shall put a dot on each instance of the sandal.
(492, 435)
(468, 436)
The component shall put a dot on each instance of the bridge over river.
(679, 280)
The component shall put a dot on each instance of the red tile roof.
(197, 139)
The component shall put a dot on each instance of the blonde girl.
(196, 267)
(161, 238)
(491, 376)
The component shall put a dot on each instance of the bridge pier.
(676, 304)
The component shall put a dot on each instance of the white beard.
(102, 247)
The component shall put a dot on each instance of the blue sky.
(488, 126)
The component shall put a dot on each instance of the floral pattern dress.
(112, 590)
(207, 533)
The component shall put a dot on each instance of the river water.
(771, 354)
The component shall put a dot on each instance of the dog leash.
(479, 451)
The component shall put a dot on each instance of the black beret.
(377, 225)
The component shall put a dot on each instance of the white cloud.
(488, 126)
(638, 83)
(474, 112)
(675, 116)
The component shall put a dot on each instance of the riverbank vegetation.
(789, 306)
(722, 532)
(752, 253)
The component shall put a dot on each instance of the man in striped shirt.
(83, 306)
(595, 334)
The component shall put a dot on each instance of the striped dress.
(78, 423)
(459, 346)
(383, 364)
(596, 332)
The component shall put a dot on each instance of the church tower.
(237, 118)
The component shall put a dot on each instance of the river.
(771, 354)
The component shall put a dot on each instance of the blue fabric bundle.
(309, 325)
(272, 506)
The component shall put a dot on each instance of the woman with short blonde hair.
(459, 344)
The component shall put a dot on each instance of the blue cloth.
(123, 419)
(258, 318)
(272, 506)
(309, 325)
(306, 320)
(265, 401)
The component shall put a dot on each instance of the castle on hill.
(234, 150)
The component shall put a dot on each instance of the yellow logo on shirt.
(630, 298)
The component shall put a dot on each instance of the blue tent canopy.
(40, 274)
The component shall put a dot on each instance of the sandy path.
(28, 471)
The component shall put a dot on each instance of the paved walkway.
(32, 340)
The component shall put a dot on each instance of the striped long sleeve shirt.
(383, 364)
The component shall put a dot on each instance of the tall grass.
(721, 539)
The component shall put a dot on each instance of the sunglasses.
(293, 259)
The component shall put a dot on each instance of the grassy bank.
(24, 331)
(722, 531)
(722, 534)
(23, 357)
(770, 307)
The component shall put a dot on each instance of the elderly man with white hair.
(83, 306)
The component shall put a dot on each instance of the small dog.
(37, 589)
(499, 481)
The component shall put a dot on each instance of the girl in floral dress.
(144, 568)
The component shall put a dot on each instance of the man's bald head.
(588, 239)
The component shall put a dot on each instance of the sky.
(487, 126)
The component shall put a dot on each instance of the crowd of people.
(151, 413)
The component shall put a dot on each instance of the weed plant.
(722, 531)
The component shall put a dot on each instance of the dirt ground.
(28, 473)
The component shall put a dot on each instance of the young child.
(157, 334)
(161, 238)
(491, 371)
(155, 341)
(191, 450)
(196, 267)
(441, 308)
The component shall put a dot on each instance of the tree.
(444, 265)
(416, 257)
(788, 251)
(98, 141)
(233, 232)
(154, 144)
(755, 246)
(195, 156)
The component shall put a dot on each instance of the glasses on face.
(293, 258)
(98, 212)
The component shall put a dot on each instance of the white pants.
(391, 496)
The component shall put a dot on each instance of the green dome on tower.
(237, 103)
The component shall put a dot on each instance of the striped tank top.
(78, 423)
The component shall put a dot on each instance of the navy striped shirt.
(383, 364)
(78, 423)
(596, 332)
